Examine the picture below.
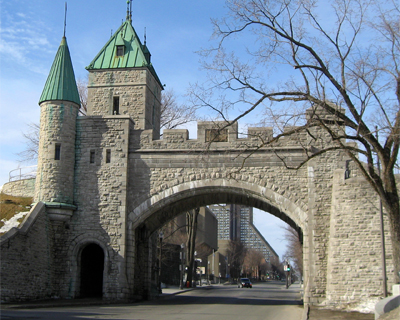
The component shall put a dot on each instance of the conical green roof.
(61, 84)
(134, 55)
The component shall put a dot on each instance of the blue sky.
(31, 32)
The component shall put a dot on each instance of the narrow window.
(57, 153)
(116, 105)
(108, 155)
(92, 156)
(120, 51)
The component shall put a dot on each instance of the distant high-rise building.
(235, 223)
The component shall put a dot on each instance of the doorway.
(92, 267)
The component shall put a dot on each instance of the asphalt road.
(267, 301)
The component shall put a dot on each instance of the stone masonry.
(107, 181)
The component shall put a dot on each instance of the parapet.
(218, 134)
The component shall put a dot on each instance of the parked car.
(245, 283)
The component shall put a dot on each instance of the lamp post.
(181, 266)
(219, 271)
(161, 236)
(208, 273)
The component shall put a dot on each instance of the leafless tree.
(82, 85)
(191, 218)
(338, 58)
(294, 249)
(252, 263)
(31, 137)
(173, 114)
(236, 253)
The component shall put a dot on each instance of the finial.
(145, 36)
(65, 18)
(129, 10)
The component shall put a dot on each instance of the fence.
(22, 173)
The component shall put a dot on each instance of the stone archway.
(91, 271)
(157, 210)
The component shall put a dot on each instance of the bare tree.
(82, 85)
(31, 136)
(294, 249)
(173, 114)
(252, 263)
(191, 218)
(339, 59)
(236, 253)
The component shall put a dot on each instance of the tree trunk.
(395, 241)
(191, 242)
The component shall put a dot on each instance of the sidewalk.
(80, 302)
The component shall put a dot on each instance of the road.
(266, 301)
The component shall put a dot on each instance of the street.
(270, 301)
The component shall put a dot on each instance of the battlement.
(219, 135)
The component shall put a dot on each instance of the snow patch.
(13, 222)
(367, 306)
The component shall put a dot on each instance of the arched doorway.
(92, 267)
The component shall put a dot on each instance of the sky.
(31, 32)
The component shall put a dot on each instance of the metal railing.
(22, 173)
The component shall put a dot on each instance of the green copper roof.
(135, 54)
(61, 84)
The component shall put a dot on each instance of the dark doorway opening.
(92, 266)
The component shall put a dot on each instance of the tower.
(59, 106)
(123, 82)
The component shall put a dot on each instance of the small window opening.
(92, 156)
(57, 153)
(116, 105)
(120, 51)
(108, 155)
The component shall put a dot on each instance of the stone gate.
(107, 182)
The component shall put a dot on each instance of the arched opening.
(92, 267)
(155, 212)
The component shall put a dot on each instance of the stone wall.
(354, 268)
(27, 259)
(100, 196)
(20, 188)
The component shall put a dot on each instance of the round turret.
(59, 105)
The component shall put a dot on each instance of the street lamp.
(208, 272)
(161, 236)
(181, 266)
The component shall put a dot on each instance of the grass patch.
(10, 205)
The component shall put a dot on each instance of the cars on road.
(245, 283)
